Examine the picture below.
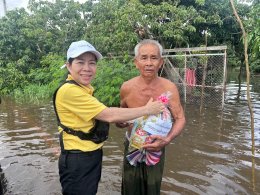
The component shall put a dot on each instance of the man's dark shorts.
(142, 179)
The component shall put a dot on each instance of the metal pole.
(185, 79)
(5, 8)
(224, 78)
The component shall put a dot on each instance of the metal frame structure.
(210, 59)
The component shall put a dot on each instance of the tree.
(117, 27)
(27, 38)
(30, 41)
(253, 27)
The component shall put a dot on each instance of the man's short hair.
(148, 41)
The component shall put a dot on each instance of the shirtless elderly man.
(143, 179)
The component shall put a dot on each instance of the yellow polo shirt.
(77, 108)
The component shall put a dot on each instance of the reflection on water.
(212, 156)
(28, 149)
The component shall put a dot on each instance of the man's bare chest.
(140, 97)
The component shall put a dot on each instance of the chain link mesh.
(199, 77)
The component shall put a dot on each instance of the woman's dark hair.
(71, 60)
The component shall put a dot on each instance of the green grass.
(33, 93)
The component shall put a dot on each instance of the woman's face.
(83, 68)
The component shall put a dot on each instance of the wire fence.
(199, 73)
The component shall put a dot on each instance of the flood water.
(212, 156)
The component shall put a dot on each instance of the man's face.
(148, 61)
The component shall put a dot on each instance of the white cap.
(79, 47)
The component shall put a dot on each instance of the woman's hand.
(154, 107)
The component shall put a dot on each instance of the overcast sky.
(12, 4)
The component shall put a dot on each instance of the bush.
(110, 76)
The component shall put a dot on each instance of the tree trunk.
(248, 90)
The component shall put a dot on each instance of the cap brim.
(81, 51)
(96, 53)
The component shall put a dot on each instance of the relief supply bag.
(145, 126)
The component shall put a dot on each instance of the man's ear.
(161, 62)
(136, 63)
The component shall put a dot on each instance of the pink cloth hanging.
(190, 77)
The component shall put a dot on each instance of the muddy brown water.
(212, 156)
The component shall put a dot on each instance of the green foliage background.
(111, 73)
(33, 43)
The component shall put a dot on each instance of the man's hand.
(157, 144)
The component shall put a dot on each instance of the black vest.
(98, 134)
